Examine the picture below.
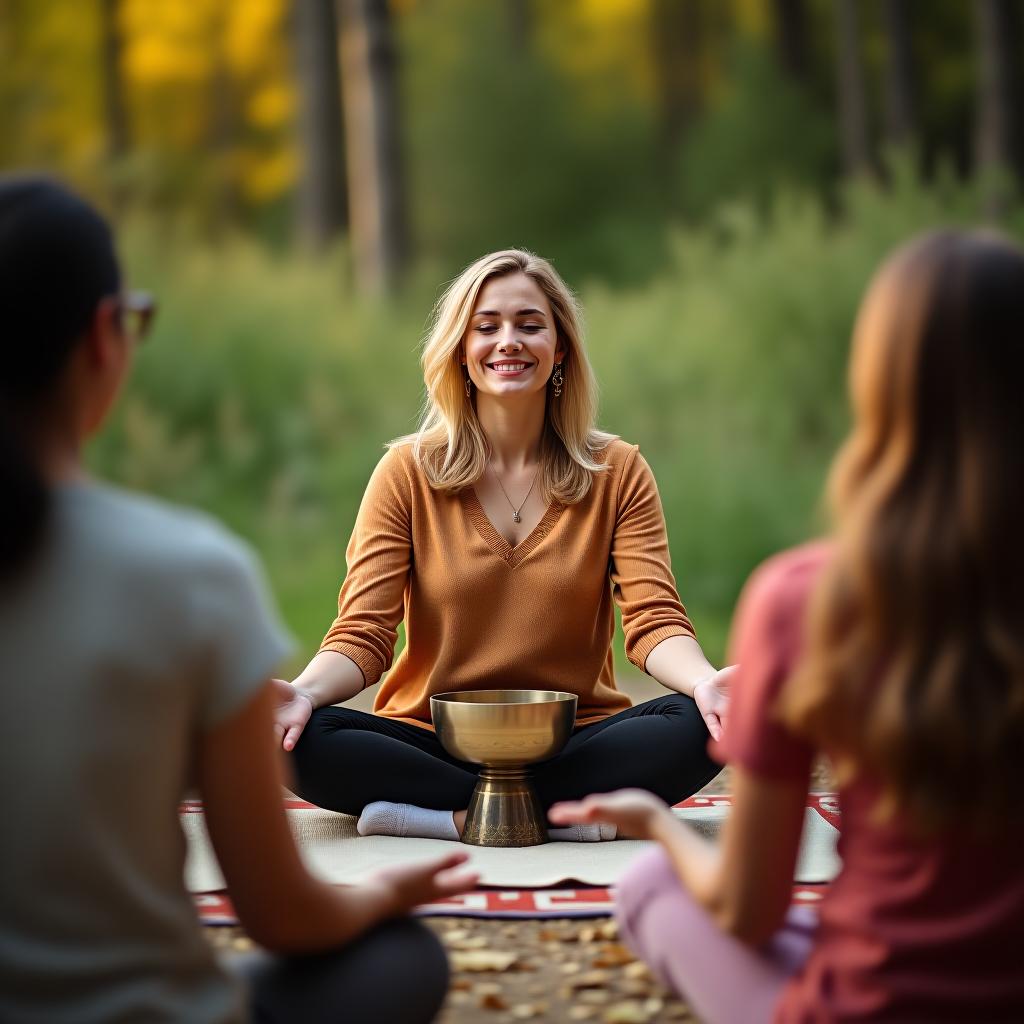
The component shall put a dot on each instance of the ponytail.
(25, 507)
(57, 262)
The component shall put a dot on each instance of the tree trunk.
(791, 38)
(375, 188)
(853, 121)
(322, 186)
(115, 114)
(900, 114)
(676, 35)
(520, 24)
(995, 138)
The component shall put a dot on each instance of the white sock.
(383, 818)
(582, 833)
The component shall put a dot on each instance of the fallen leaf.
(613, 955)
(526, 1011)
(637, 969)
(590, 979)
(469, 942)
(482, 960)
(493, 1001)
(626, 1013)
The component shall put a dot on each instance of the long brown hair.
(913, 672)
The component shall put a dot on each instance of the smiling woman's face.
(511, 345)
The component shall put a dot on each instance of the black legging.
(396, 973)
(346, 759)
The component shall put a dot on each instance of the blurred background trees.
(717, 178)
(639, 112)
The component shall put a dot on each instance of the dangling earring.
(556, 380)
(469, 387)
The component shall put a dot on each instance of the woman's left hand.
(633, 812)
(712, 698)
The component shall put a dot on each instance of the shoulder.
(398, 471)
(617, 453)
(165, 548)
(150, 529)
(775, 598)
(628, 478)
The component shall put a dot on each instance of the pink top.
(911, 930)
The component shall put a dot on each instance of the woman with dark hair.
(897, 648)
(136, 642)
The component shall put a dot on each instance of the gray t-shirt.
(139, 627)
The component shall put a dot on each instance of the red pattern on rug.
(214, 908)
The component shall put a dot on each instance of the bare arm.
(745, 880)
(330, 678)
(679, 663)
(278, 902)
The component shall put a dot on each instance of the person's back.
(916, 927)
(137, 626)
(897, 649)
(136, 645)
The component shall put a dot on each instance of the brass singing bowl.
(504, 731)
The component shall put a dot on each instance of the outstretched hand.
(410, 885)
(291, 712)
(634, 812)
(712, 699)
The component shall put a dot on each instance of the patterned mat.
(544, 901)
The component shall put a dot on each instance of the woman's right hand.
(292, 710)
(406, 886)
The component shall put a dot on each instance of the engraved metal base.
(504, 810)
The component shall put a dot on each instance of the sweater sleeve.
(641, 572)
(379, 557)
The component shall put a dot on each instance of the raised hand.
(292, 711)
(410, 885)
(633, 811)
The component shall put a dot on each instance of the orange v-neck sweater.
(481, 614)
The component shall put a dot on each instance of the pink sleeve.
(767, 636)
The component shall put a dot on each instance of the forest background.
(296, 180)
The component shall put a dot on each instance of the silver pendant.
(516, 518)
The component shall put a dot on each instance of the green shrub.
(268, 390)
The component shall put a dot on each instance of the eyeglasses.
(136, 311)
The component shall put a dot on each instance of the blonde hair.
(913, 674)
(450, 445)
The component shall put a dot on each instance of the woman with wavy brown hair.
(897, 648)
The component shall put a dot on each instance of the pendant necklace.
(516, 517)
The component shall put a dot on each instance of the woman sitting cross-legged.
(897, 648)
(136, 642)
(503, 532)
